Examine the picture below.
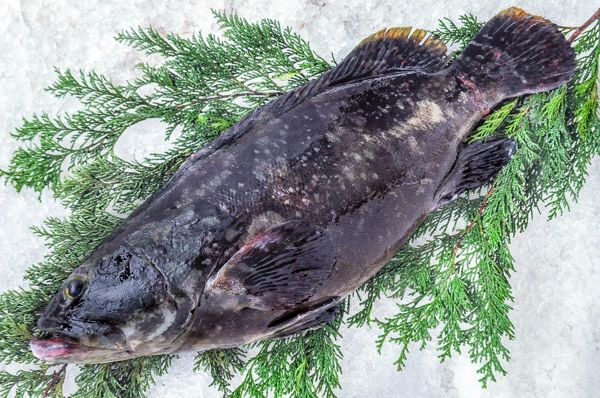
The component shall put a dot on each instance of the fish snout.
(90, 333)
(50, 324)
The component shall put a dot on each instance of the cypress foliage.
(452, 277)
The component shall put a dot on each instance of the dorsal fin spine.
(391, 50)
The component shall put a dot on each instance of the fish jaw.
(66, 350)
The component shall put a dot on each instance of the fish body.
(261, 233)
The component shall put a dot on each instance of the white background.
(556, 286)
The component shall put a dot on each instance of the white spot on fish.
(423, 183)
(332, 137)
(369, 155)
(139, 327)
(348, 173)
(426, 114)
(398, 131)
(212, 220)
(414, 145)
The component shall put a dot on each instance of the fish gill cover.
(451, 281)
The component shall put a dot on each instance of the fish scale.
(261, 233)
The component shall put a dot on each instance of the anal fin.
(477, 164)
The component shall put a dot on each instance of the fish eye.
(74, 288)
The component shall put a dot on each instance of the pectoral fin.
(305, 319)
(477, 164)
(277, 269)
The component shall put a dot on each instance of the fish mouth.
(63, 349)
(78, 341)
(55, 348)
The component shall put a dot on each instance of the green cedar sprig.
(458, 280)
(452, 276)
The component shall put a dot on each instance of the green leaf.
(451, 280)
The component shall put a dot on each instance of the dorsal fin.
(387, 51)
(392, 50)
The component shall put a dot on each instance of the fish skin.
(362, 162)
(389, 189)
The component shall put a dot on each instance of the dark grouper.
(261, 233)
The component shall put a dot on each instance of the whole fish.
(261, 233)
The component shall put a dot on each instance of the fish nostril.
(44, 323)
(50, 324)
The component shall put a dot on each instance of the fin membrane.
(279, 268)
(521, 53)
(477, 164)
(390, 50)
(311, 318)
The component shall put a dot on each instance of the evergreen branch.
(222, 366)
(583, 27)
(306, 366)
(96, 91)
(56, 379)
(450, 280)
(127, 379)
(473, 312)
(31, 383)
(265, 94)
(472, 223)
(451, 33)
(148, 40)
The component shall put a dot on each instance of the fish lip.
(63, 348)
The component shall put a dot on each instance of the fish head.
(115, 308)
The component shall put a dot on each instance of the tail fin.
(518, 54)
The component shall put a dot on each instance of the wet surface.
(562, 352)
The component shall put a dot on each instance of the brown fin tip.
(388, 33)
(418, 35)
(519, 13)
(404, 33)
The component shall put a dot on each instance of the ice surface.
(557, 299)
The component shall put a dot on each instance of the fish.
(263, 232)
